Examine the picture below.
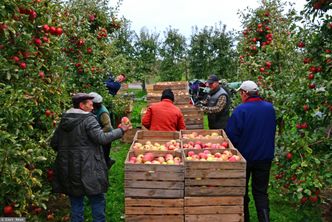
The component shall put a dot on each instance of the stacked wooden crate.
(214, 188)
(154, 192)
(193, 117)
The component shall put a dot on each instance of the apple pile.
(206, 155)
(151, 158)
(170, 145)
(195, 135)
(201, 145)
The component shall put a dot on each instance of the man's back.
(163, 116)
(252, 129)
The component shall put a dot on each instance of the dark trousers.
(259, 171)
(108, 159)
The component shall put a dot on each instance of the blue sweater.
(251, 128)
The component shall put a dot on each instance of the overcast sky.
(157, 15)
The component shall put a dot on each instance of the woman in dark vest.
(216, 105)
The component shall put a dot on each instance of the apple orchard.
(51, 49)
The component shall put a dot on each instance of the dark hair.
(167, 94)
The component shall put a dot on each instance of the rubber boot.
(263, 215)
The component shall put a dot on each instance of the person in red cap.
(164, 115)
(80, 168)
(216, 104)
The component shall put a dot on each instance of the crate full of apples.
(205, 139)
(156, 145)
(154, 174)
(214, 172)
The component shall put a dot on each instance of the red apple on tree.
(311, 76)
(289, 156)
(48, 113)
(8, 210)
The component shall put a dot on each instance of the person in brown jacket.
(164, 115)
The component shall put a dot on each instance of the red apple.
(125, 120)
(303, 200)
(313, 198)
(148, 157)
(41, 74)
(312, 85)
(46, 28)
(301, 44)
(38, 41)
(289, 156)
(15, 59)
(23, 65)
(224, 144)
(191, 153)
(8, 210)
(59, 31)
(304, 125)
(48, 113)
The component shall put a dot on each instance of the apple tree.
(41, 43)
(273, 53)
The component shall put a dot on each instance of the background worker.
(103, 117)
(216, 104)
(164, 115)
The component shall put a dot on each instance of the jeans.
(97, 203)
(260, 173)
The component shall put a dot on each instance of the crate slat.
(214, 191)
(153, 193)
(150, 218)
(213, 201)
(214, 217)
(155, 184)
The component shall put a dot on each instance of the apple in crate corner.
(234, 158)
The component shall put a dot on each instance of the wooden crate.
(129, 136)
(214, 178)
(180, 98)
(207, 209)
(183, 85)
(154, 180)
(157, 135)
(149, 210)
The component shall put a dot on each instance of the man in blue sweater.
(251, 128)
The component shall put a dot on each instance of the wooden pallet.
(154, 180)
(150, 210)
(207, 209)
(214, 178)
